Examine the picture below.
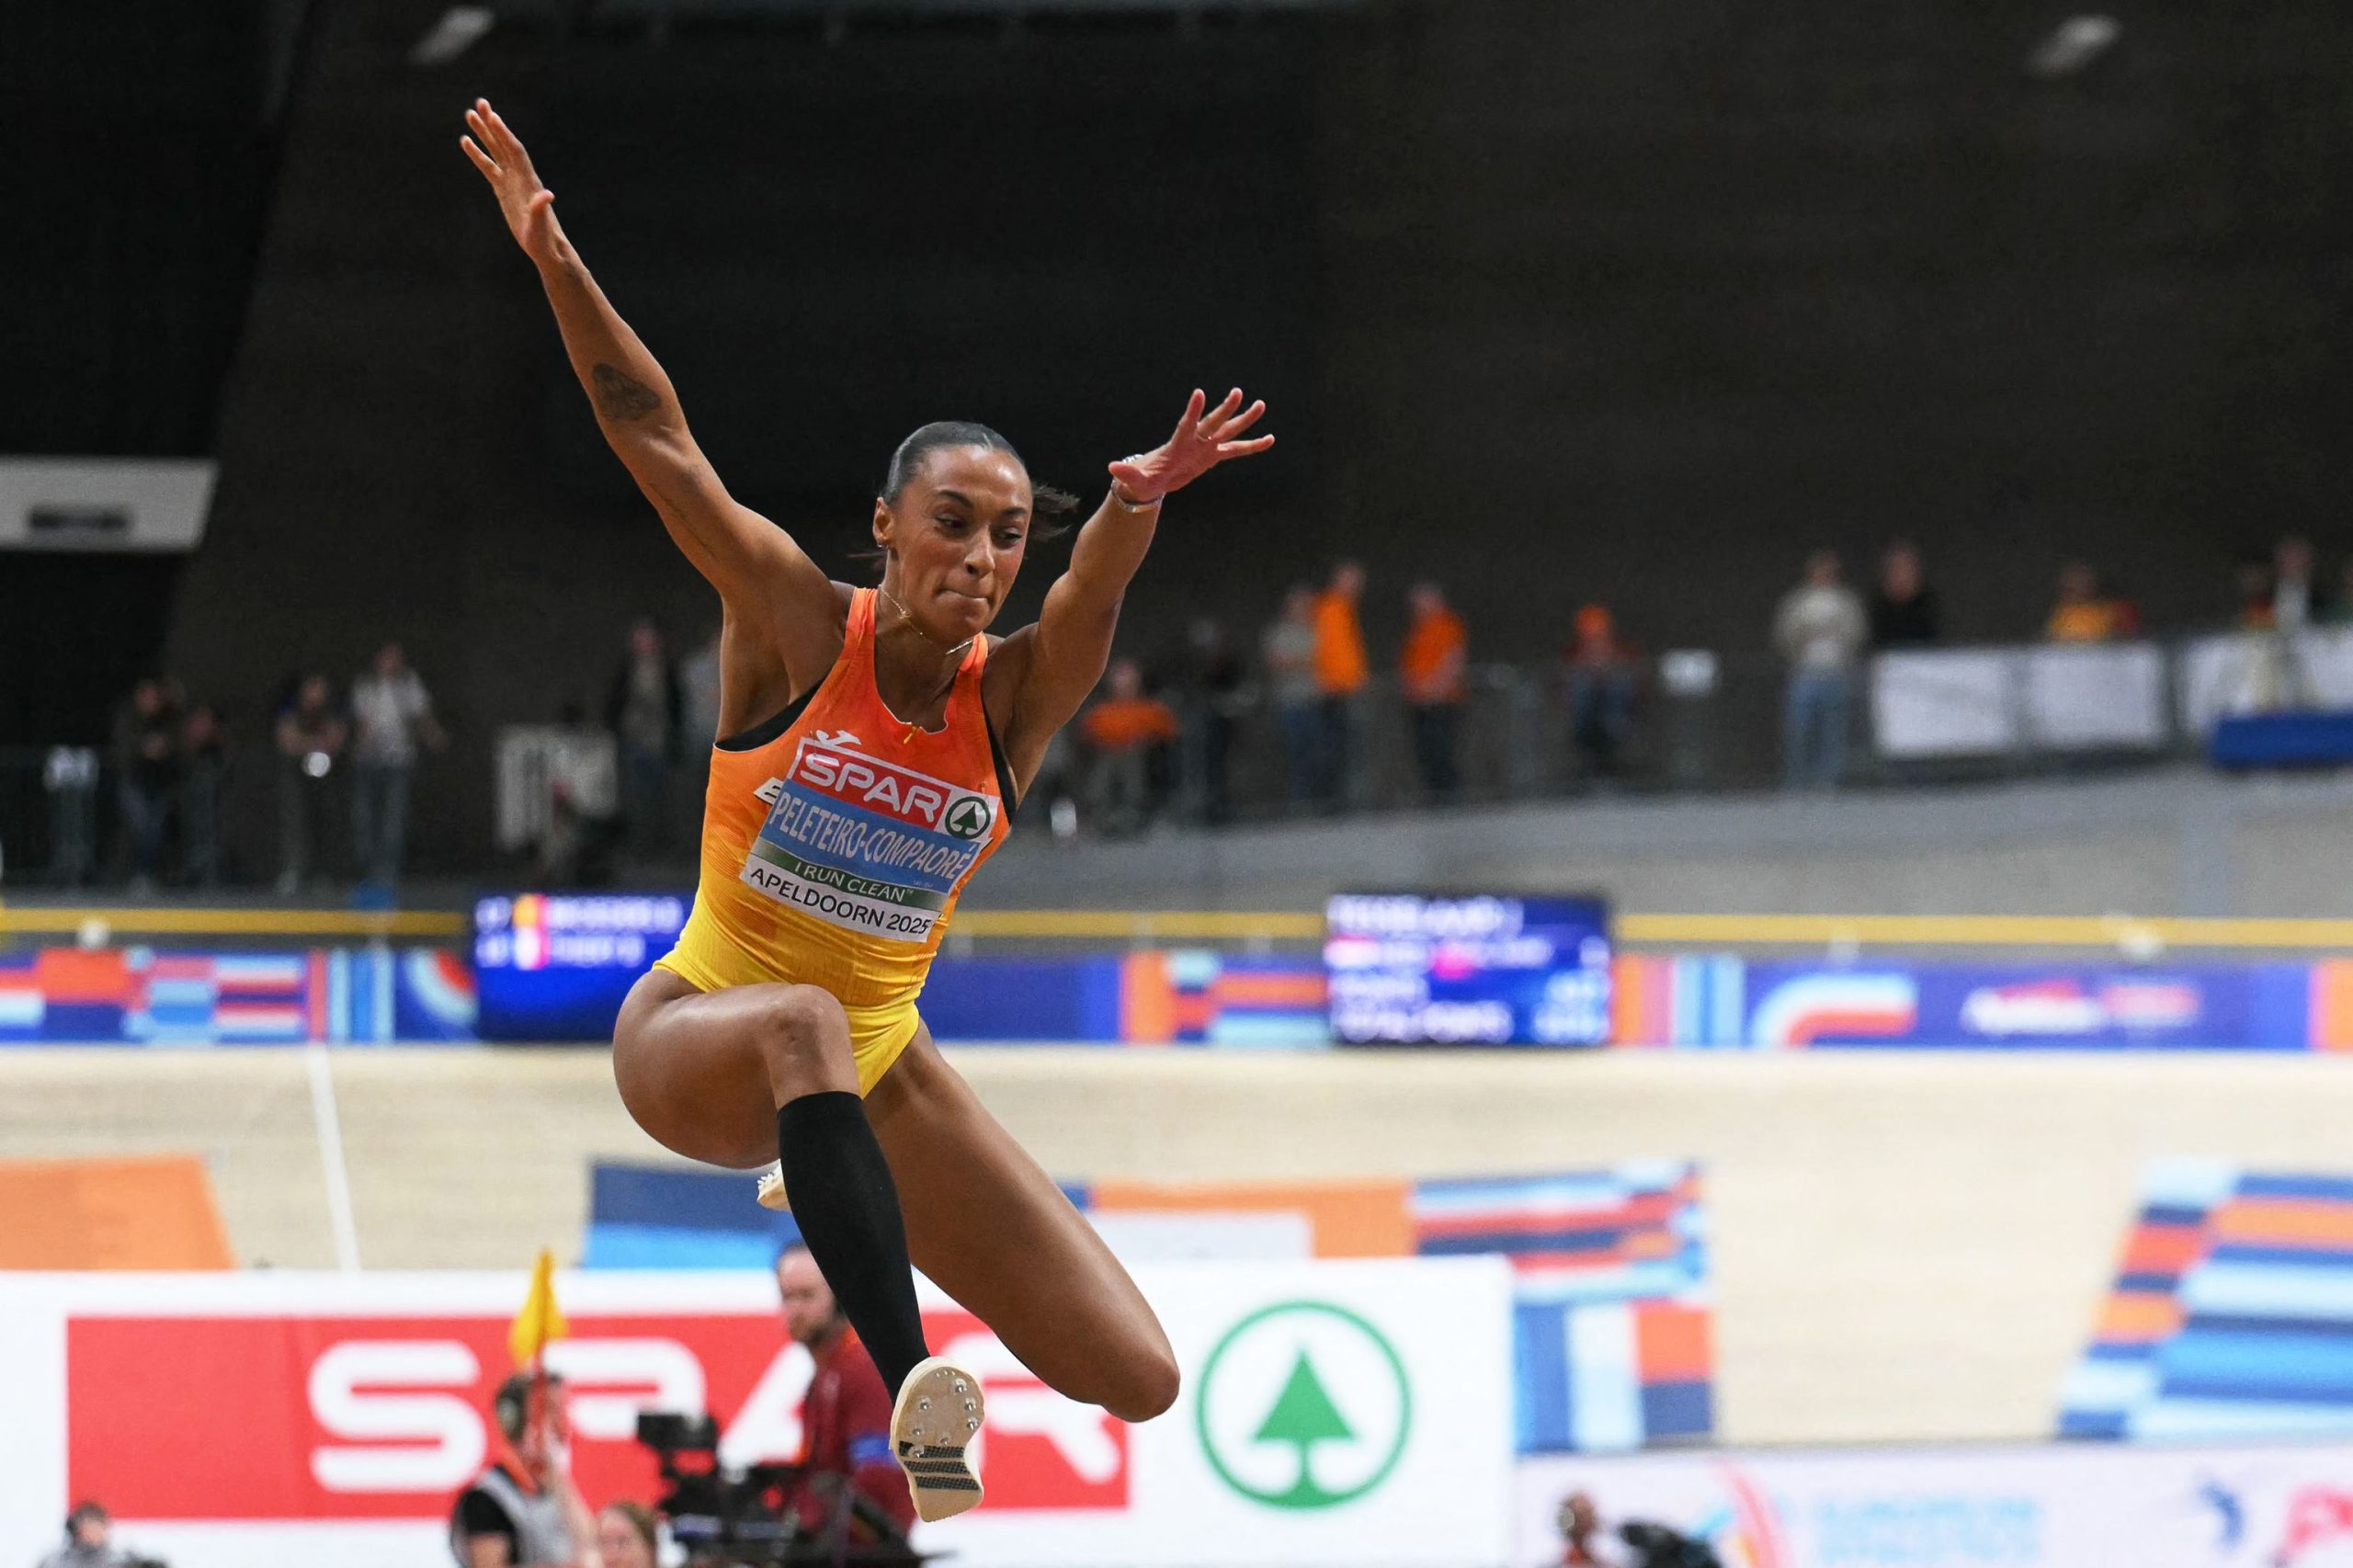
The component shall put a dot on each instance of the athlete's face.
(956, 536)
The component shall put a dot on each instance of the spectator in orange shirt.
(1341, 670)
(1430, 672)
(2083, 614)
(1603, 683)
(1124, 729)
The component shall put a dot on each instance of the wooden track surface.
(1905, 1245)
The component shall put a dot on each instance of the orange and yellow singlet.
(834, 852)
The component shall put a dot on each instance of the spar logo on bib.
(827, 762)
(869, 845)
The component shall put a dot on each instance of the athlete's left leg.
(991, 1229)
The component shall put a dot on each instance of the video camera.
(739, 1519)
(1662, 1548)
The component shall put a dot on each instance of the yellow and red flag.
(540, 1320)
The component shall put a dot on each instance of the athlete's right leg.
(734, 1077)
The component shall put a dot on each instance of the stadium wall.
(2180, 844)
(1619, 304)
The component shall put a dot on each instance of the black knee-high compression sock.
(847, 1207)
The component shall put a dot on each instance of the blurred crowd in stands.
(1824, 631)
(1306, 704)
(173, 765)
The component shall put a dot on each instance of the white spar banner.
(1341, 1413)
(2049, 1506)
(1345, 1412)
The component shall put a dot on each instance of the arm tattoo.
(618, 396)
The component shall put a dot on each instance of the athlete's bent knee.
(804, 1043)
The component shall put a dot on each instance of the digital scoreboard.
(1481, 968)
(556, 966)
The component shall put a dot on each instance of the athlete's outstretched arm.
(1068, 648)
(765, 579)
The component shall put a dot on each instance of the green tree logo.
(968, 817)
(1303, 1416)
(1248, 1410)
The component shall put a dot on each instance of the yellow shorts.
(877, 1035)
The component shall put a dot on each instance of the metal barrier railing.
(1689, 721)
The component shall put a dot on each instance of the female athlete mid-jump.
(874, 741)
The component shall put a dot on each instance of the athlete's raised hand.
(529, 206)
(1202, 442)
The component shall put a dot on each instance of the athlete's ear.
(882, 522)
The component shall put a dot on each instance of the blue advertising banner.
(2252, 1006)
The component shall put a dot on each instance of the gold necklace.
(909, 621)
(911, 731)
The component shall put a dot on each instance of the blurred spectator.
(2085, 614)
(2296, 602)
(1213, 699)
(562, 843)
(147, 768)
(1289, 648)
(1903, 608)
(1819, 629)
(89, 1541)
(1430, 668)
(70, 774)
(1122, 729)
(628, 1536)
(698, 692)
(1056, 786)
(644, 708)
(390, 714)
(698, 724)
(2251, 585)
(2298, 598)
(523, 1511)
(845, 1442)
(1584, 1544)
(310, 735)
(204, 780)
(1341, 671)
(1602, 684)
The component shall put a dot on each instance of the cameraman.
(1583, 1544)
(89, 1541)
(844, 1418)
(523, 1511)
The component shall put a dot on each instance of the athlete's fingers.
(1241, 421)
(514, 143)
(1217, 416)
(1243, 449)
(480, 159)
(1192, 419)
(494, 132)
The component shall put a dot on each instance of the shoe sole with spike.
(933, 1426)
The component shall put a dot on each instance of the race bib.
(864, 844)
